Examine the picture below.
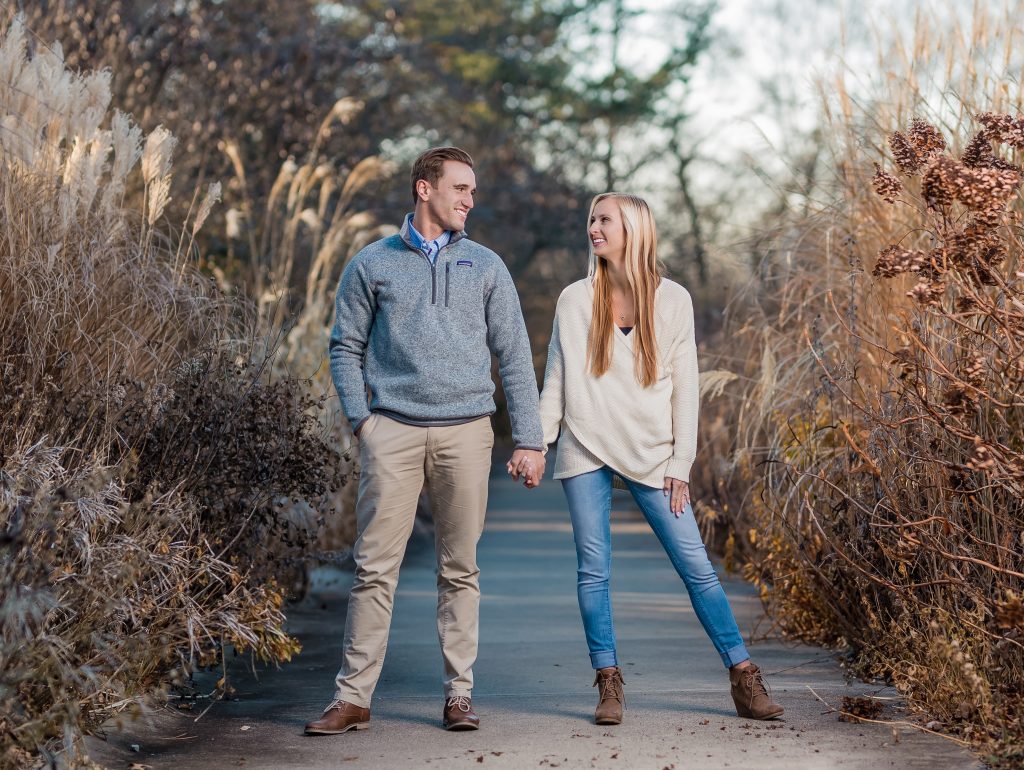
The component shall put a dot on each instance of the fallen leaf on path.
(857, 707)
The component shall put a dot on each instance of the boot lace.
(461, 702)
(611, 687)
(754, 682)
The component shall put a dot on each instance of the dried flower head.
(937, 262)
(966, 304)
(1009, 613)
(912, 151)
(886, 185)
(980, 189)
(937, 183)
(956, 399)
(893, 260)
(979, 154)
(927, 292)
(989, 218)
(1003, 128)
(985, 189)
(994, 253)
(984, 273)
(982, 457)
(971, 243)
(904, 154)
(925, 139)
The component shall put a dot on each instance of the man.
(416, 320)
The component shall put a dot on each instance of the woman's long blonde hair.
(643, 275)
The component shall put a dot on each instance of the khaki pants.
(396, 459)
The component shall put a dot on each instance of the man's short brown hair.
(430, 166)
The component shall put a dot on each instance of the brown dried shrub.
(880, 417)
(148, 461)
(889, 521)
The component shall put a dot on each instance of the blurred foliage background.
(245, 85)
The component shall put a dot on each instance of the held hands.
(528, 465)
(680, 493)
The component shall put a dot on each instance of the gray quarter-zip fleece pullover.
(419, 337)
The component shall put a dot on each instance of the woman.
(621, 385)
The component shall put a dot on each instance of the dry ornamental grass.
(887, 520)
(874, 477)
(150, 462)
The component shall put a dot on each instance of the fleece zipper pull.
(447, 280)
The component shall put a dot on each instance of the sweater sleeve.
(508, 340)
(552, 398)
(685, 397)
(354, 309)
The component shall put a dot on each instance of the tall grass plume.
(147, 453)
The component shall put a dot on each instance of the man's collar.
(416, 240)
(417, 236)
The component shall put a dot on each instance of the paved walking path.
(533, 677)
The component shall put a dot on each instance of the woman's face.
(607, 233)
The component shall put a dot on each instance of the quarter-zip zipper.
(447, 267)
(433, 272)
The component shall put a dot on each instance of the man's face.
(450, 202)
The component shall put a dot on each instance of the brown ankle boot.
(750, 694)
(612, 697)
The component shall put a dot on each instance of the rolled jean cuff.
(603, 659)
(735, 655)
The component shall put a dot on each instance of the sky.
(760, 47)
(784, 49)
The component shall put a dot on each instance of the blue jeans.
(590, 503)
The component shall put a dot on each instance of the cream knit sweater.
(645, 434)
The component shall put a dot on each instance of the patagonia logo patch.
(465, 263)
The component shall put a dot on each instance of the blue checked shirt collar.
(432, 248)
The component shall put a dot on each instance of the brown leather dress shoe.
(459, 714)
(340, 717)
